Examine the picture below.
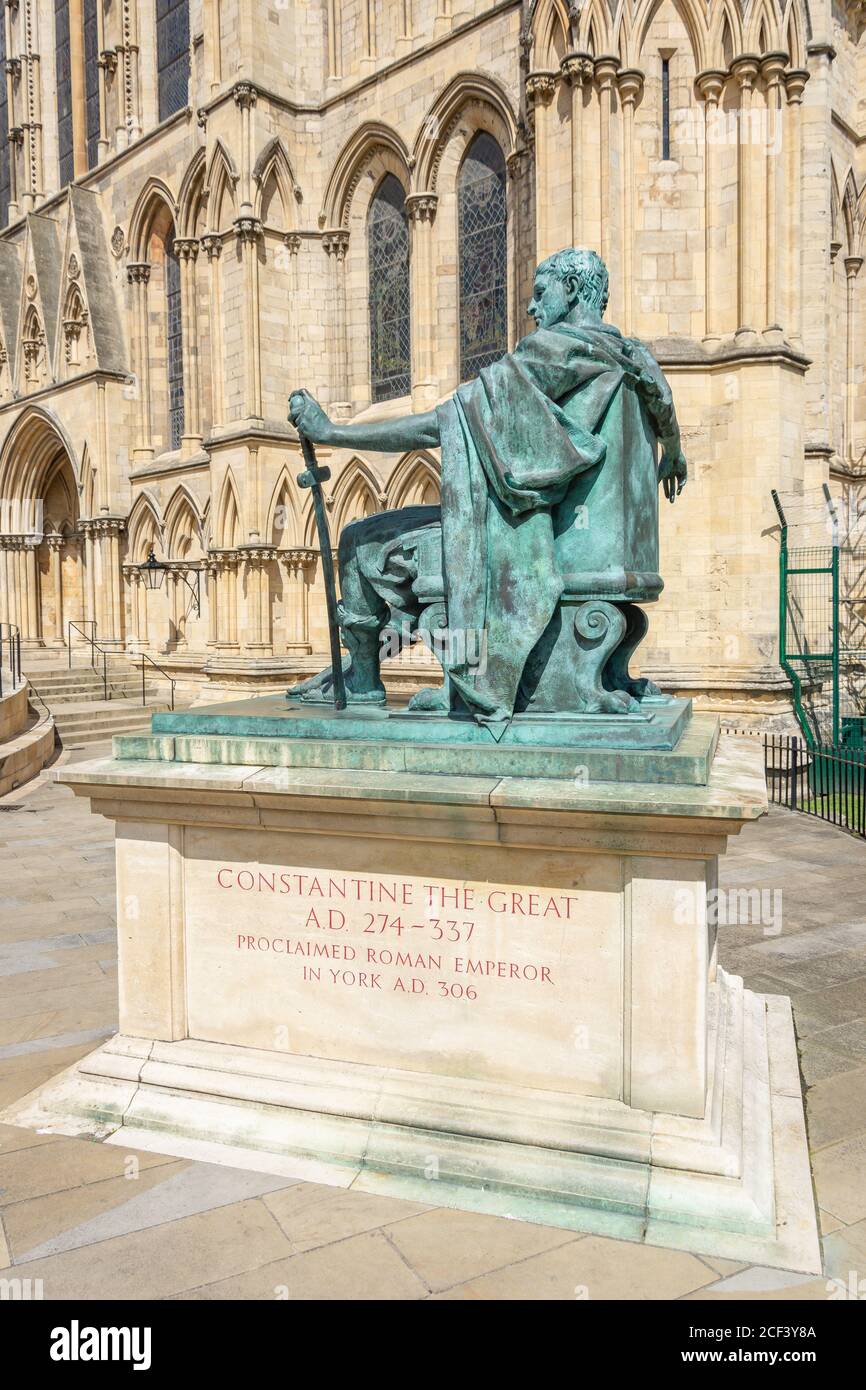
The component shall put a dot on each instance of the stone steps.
(76, 698)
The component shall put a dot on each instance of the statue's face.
(552, 298)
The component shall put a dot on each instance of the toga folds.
(512, 441)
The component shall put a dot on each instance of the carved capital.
(773, 68)
(213, 244)
(248, 229)
(421, 207)
(138, 272)
(299, 558)
(244, 94)
(201, 118)
(630, 83)
(745, 69)
(541, 87)
(336, 244)
(107, 60)
(852, 266)
(186, 248)
(709, 85)
(795, 82)
(577, 68)
(13, 67)
(292, 243)
(606, 69)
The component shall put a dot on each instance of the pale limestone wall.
(738, 258)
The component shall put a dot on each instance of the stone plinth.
(495, 993)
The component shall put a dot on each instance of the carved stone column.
(421, 211)
(749, 313)
(299, 565)
(258, 636)
(249, 233)
(852, 270)
(795, 81)
(772, 70)
(186, 250)
(212, 244)
(630, 83)
(606, 69)
(541, 89)
(709, 86)
(577, 69)
(138, 275)
(336, 244)
(103, 534)
(54, 541)
(245, 99)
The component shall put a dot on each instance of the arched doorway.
(43, 548)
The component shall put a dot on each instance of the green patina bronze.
(528, 582)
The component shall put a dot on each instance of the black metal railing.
(828, 783)
(101, 658)
(10, 653)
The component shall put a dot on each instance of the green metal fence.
(822, 635)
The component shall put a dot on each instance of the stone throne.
(607, 551)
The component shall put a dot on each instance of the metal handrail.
(10, 634)
(89, 638)
(127, 656)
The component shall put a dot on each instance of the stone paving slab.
(97, 1221)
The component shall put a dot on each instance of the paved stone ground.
(97, 1221)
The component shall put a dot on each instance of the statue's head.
(566, 280)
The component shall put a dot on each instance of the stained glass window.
(174, 343)
(91, 80)
(63, 82)
(5, 152)
(172, 55)
(483, 256)
(388, 262)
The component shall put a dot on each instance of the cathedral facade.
(207, 203)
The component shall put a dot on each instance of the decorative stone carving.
(118, 240)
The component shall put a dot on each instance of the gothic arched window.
(483, 256)
(172, 55)
(63, 86)
(173, 342)
(388, 263)
(5, 151)
(91, 81)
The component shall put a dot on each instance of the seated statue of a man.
(533, 432)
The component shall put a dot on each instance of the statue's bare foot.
(612, 702)
(431, 699)
(319, 689)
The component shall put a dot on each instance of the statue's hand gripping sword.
(313, 477)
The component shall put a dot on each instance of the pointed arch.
(183, 524)
(762, 30)
(467, 90)
(694, 18)
(228, 520)
(284, 495)
(726, 38)
(221, 183)
(144, 527)
(550, 34)
(369, 139)
(415, 481)
(593, 29)
(191, 195)
(793, 26)
(273, 167)
(87, 483)
(155, 198)
(29, 450)
(356, 494)
(850, 213)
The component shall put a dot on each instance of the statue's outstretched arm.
(386, 436)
